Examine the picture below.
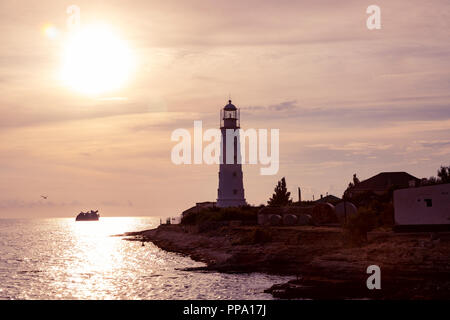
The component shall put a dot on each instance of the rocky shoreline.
(324, 266)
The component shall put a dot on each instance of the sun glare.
(50, 31)
(96, 61)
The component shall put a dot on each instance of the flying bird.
(44, 197)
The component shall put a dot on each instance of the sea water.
(64, 259)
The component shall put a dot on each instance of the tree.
(351, 185)
(430, 181)
(444, 174)
(355, 180)
(354, 183)
(281, 197)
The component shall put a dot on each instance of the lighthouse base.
(228, 203)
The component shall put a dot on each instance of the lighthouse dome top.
(230, 106)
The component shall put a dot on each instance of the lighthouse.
(231, 186)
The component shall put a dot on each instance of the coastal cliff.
(323, 264)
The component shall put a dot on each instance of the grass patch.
(255, 236)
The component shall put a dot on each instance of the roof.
(384, 180)
(328, 198)
(230, 106)
(198, 206)
(187, 211)
(206, 203)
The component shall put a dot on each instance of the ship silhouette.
(88, 216)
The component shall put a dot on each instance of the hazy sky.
(346, 99)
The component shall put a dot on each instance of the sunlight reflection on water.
(64, 259)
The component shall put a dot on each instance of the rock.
(275, 220)
(324, 213)
(304, 220)
(235, 223)
(289, 220)
(265, 213)
(345, 210)
(330, 270)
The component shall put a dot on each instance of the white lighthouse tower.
(231, 186)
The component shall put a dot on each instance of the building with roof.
(329, 198)
(382, 182)
(199, 206)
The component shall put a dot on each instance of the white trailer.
(423, 206)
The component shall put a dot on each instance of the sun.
(96, 61)
(50, 31)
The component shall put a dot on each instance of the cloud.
(378, 113)
(282, 106)
(345, 99)
(112, 99)
(433, 143)
(20, 116)
(16, 203)
(36, 204)
(352, 146)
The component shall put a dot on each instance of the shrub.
(380, 205)
(357, 227)
(387, 215)
(246, 213)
